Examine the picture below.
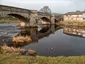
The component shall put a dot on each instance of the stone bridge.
(30, 17)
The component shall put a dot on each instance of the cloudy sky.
(58, 6)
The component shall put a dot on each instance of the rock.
(6, 49)
(21, 24)
(32, 52)
(52, 48)
(21, 51)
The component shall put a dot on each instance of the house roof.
(75, 13)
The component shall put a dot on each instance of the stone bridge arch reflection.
(33, 34)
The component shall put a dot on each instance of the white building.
(74, 16)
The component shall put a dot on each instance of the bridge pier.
(34, 34)
(27, 24)
(53, 28)
(53, 19)
(33, 18)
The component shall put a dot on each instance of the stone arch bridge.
(30, 17)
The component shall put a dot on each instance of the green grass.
(20, 59)
(9, 21)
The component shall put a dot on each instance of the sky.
(56, 6)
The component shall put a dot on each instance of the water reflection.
(32, 35)
(74, 31)
(47, 40)
(7, 31)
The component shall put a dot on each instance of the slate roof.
(75, 13)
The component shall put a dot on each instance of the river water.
(48, 40)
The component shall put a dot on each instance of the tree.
(45, 9)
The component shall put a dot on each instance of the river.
(48, 40)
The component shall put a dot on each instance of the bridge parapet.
(14, 9)
(33, 18)
(44, 14)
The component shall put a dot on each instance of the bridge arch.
(45, 20)
(56, 20)
(20, 17)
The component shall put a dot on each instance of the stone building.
(74, 16)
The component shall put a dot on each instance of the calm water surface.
(48, 40)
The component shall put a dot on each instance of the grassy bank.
(9, 21)
(73, 23)
(19, 59)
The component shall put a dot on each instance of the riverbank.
(9, 21)
(20, 59)
(72, 23)
(12, 55)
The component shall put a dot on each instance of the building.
(74, 16)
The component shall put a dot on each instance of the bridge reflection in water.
(34, 33)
